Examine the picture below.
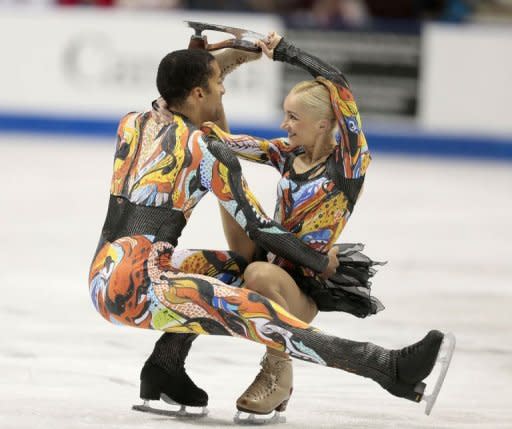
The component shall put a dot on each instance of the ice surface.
(443, 225)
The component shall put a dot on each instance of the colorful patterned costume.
(162, 168)
(316, 205)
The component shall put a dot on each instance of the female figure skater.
(322, 163)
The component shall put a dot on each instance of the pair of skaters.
(167, 160)
(309, 204)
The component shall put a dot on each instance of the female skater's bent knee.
(258, 277)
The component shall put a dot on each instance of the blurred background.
(429, 76)
(433, 81)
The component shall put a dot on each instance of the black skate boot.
(414, 363)
(156, 383)
(401, 372)
(164, 377)
(417, 361)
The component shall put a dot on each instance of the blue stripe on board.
(57, 125)
(418, 144)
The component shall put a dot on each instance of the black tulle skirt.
(349, 289)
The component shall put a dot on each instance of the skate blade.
(182, 412)
(258, 419)
(444, 358)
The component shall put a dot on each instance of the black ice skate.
(176, 389)
(417, 362)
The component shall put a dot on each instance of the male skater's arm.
(221, 173)
(237, 238)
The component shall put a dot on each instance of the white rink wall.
(64, 66)
(467, 79)
(89, 63)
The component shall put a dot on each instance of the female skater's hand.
(268, 44)
(332, 254)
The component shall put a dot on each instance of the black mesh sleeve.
(260, 228)
(287, 246)
(288, 53)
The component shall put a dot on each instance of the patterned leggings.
(136, 282)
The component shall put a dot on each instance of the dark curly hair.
(180, 71)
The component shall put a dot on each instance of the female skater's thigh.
(267, 279)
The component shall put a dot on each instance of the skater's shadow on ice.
(200, 421)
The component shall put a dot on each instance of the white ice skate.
(269, 393)
(443, 360)
(175, 409)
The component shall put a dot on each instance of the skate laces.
(410, 350)
(265, 382)
(262, 386)
(267, 373)
(416, 347)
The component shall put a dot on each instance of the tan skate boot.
(271, 388)
(229, 59)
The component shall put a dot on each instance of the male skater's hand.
(332, 254)
(268, 44)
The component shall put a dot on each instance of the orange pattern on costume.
(121, 266)
(353, 148)
(162, 169)
(220, 181)
(317, 204)
(235, 312)
(188, 167)
(127, 137)
(315, 209)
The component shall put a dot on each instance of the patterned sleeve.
(352, 154)
(221, 173)
(271, 152)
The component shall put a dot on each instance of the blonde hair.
(315, 97)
